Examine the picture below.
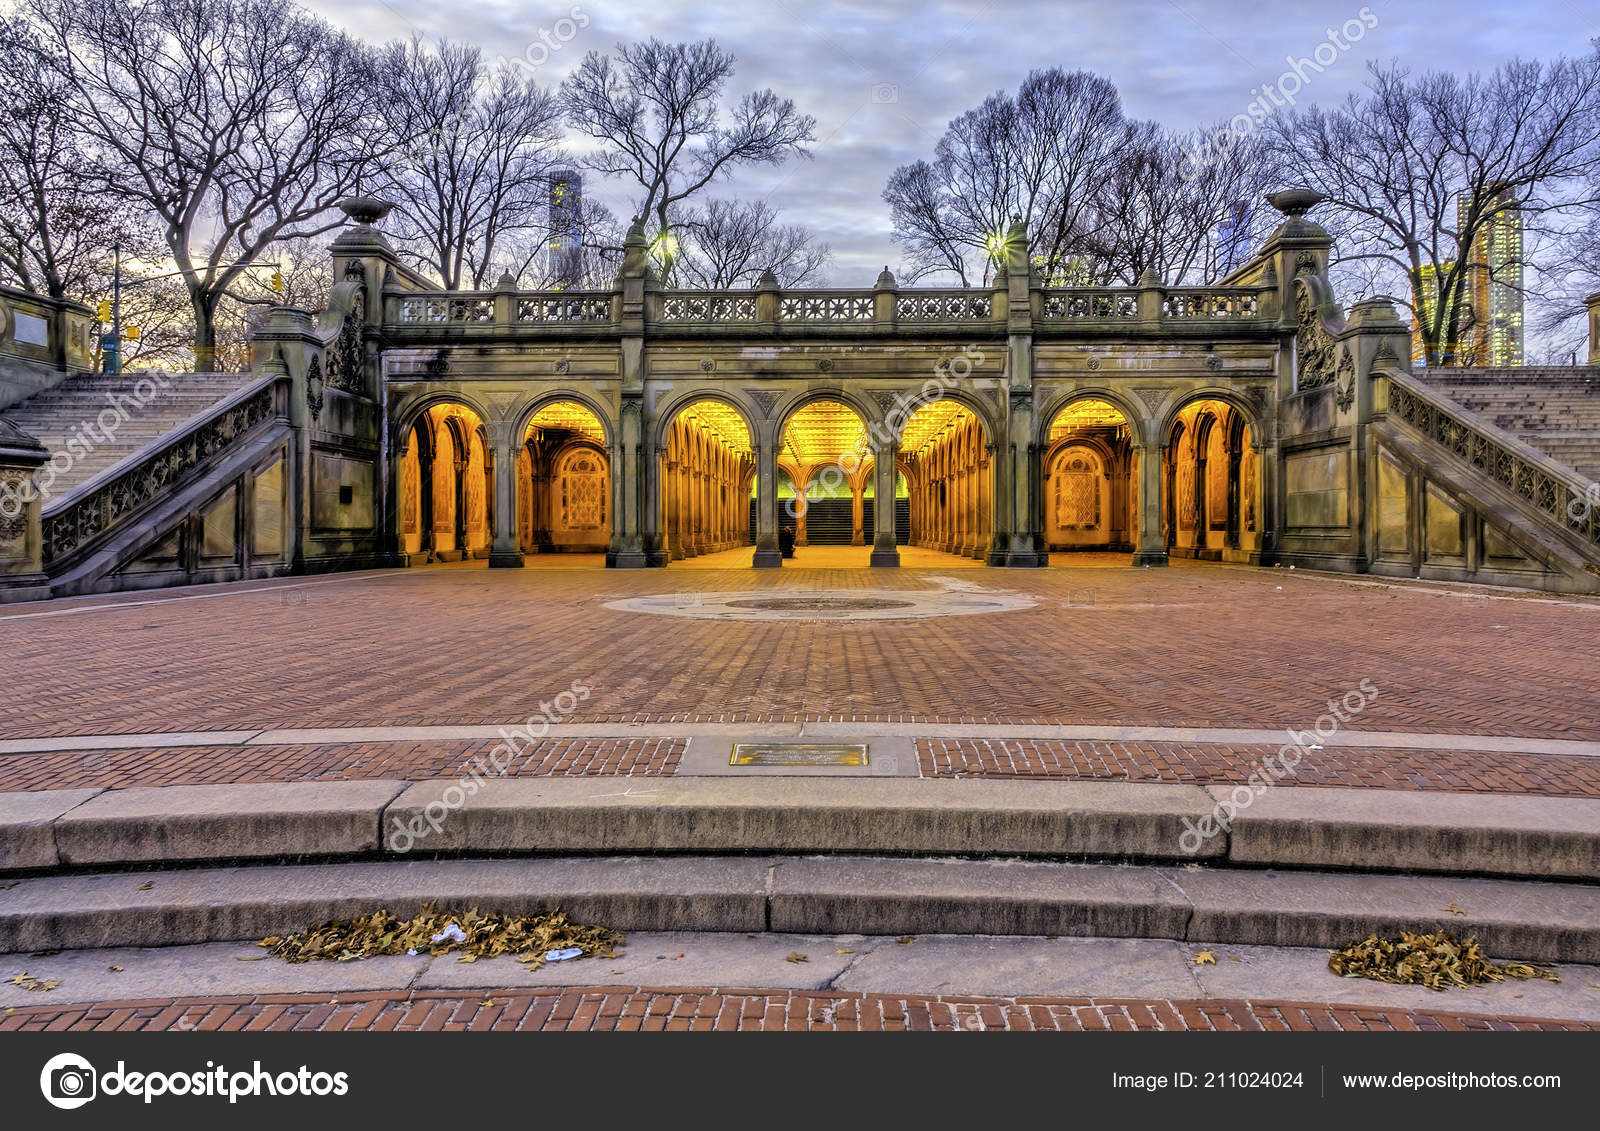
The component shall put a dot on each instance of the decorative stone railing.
(706, 306)
(101, 504)
(1558, 492)
(826, 308)
(1231, 303)
(564, 306)
(1090, 303)
(944, 306)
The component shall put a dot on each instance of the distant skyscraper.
(1233, 238)
(1491, 320)
(565, 263)
(1495, 281)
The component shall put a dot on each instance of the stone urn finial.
(365, 210)
(885, 280)
(768, 281)
(1295, 202)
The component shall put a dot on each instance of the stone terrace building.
(1253, 421)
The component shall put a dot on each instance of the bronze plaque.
(793, 754)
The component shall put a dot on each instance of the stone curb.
(1300, 826)
(867, 895)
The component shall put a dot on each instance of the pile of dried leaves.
(1438, 960)
(528, 937)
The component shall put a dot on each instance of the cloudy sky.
(884, 77)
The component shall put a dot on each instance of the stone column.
(505, 552)
(674, 516)
(767, 555)
(858, 517)
(1152, 547)
(22, 576)
(1593, 303)
(801, 508)
(884, 552)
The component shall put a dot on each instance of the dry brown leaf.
(488, 934)
(1205, 958)
(796, 957)
(1437, 960)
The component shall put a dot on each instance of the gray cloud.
(1183, 62)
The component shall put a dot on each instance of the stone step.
(1535, 921)
(1299, 826)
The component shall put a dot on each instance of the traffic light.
(277, 282)
(103, 311)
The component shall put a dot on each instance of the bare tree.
(1420, 167)
(56, 232)
(1045, 155)
(657, 111)
(476, 173)
(237, 123)
(1105, 198)
(1158, 213)
(729, 243)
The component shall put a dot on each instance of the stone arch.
(950, 478)
(407, 412)
(1211, 393)
(1212, 477)
(441, 488)
(558, 509)
(528, 409)
(703, 466)
(1133, 410)
(1090, 489)
(670, 411)
(868, 410)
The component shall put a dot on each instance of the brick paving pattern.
(1207, 764)
(407, 761)
(1189, 763)
(611, 1008)
(1186, 646)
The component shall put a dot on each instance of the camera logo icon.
(884, 93)
(68, 1081)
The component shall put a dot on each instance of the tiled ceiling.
(823, 431)
(722, 421)
(1086, 414)
(569, 416)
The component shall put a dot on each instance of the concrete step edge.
(1297, 826)
(1535, 921)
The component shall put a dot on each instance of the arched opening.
(446, 487)
(705, 479)
(564, 483)
(1213, 484)
(825, 452)
(1090, 472)
(950, 480)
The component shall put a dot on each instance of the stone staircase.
(74, 407)
(1555, 410)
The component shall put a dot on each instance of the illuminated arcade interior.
(944, 483)
(1089, 481)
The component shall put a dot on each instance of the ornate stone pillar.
(505, 552)
(1152, 547)
(884, 552)
(767, 555)
(858, 514)
(674, 518)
